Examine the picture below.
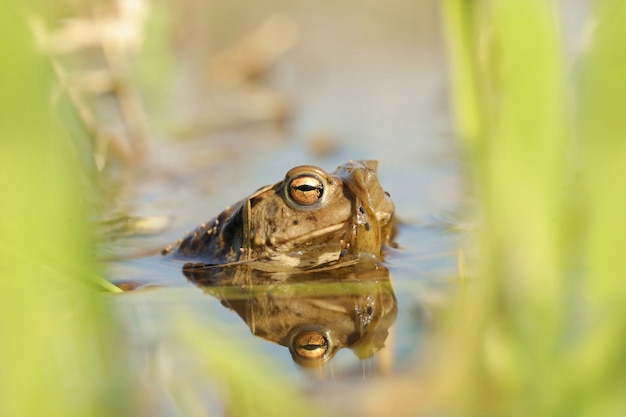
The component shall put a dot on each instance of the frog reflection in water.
(310, 220)
(299, 261)
(313, 314)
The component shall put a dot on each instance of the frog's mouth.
(307, 237)
(314, 249)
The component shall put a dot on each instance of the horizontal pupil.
(312, 347)
(306, 187)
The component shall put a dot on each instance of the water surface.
(366, 84)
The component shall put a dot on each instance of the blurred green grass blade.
(503, 358)
(603, 134)
(460, 30)
(101, 283)
(544, 336)
(599, 357)
(526, 149)
(521, 255)
(53, 325)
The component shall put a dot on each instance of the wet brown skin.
(309, 219)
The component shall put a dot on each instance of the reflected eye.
(310, 345)
(306, 190)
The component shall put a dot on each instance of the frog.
(311, 219)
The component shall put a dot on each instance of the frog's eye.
(306, 190)
(311, 347)
(305, 187)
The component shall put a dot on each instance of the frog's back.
(217, 241)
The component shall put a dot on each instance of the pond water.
(360, 84)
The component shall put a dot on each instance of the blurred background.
(499, 133)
